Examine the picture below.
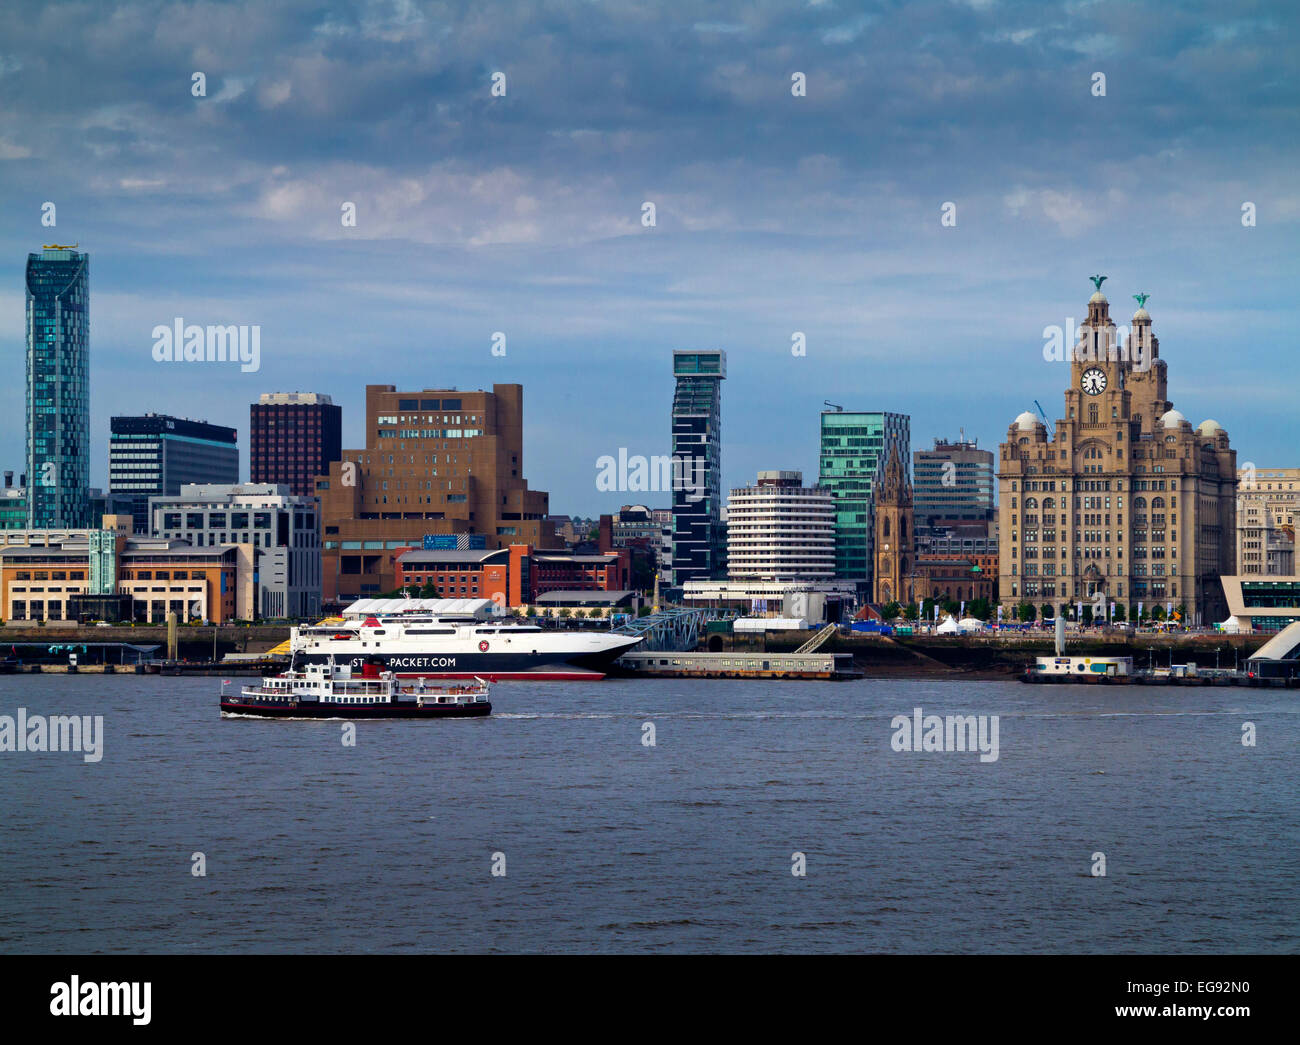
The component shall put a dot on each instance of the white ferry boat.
(334, 691)
(430, 646)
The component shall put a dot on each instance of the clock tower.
(1112, 379)
(1125, 503)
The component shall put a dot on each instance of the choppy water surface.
(610, 845)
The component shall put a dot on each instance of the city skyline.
(777, 215)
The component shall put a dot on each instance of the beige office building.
(1125, 500)
(1266, 510)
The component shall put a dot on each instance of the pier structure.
(667, 630)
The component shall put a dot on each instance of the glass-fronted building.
(854, 448)
(699, 538)
(154, 455)
(13, 504)
(58, 388)
(955, 480)
(1262, 603)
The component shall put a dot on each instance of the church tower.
(893, 534)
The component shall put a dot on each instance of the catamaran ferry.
(432, 646)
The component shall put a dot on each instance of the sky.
(776, 212)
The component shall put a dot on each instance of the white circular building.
(780, 530)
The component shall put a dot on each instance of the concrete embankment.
(195, 643)
(1000, 657)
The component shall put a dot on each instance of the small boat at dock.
(330, 690)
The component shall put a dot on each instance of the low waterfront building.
(601, 603)
(148, 578)
(53, 536)
(811, 600)
(951, 580)
(511, 577)
(1257, 603)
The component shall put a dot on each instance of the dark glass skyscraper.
(154, 455)
(953, 481)
(699, 540)
(58, 388)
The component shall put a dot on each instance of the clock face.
(1094, 381)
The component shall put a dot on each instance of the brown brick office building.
(293, 437)
(437, 461)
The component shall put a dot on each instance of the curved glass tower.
(58, 392)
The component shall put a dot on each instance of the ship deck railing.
(346, 687)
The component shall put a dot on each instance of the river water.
(608, 844)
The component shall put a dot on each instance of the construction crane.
(1046, 423)
(838, 409)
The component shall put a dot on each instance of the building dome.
(1141, 316)
(1026, 422)
(1098, 298)
(1209, 428)
(1172, 419)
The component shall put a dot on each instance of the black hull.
(317, 710)
(1077, 680)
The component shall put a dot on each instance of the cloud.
(775, 213)
(1071, 214)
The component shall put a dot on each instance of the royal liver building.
(1125, 499)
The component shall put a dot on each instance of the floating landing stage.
(823, 666)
